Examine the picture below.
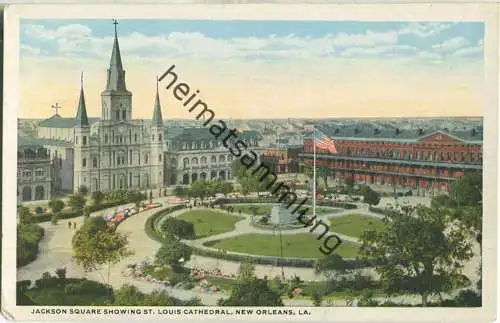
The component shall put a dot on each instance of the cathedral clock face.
(121, 129)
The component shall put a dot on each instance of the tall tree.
(370, 196)
(97, 197)
(94, 245)
(56, 205)
(77, 202)
(422, 251)
(255, 292)
(468, 191)
(83, 190)
(180, 229)
(246, 272)
(173, 253)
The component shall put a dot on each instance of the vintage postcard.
(250, 162)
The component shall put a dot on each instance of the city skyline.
(288, 67)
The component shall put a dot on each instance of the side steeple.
(81, 114)
(116, 74)
(157, 117)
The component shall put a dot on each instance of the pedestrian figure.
(69, 224)
(74, 225)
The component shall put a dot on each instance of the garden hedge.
(223, 201)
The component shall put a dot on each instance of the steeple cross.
(115, 22)
(56, 107)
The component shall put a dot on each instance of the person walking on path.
(74, 225)
(69, 224)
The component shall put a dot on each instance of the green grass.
(355, 224)
(209, 223)
(297, 245)
(266, 209)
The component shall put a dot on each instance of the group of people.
(71, 224)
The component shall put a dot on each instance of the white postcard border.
(360, 12)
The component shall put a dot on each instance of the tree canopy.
(94, 245)
(468, 191)
(178, 228)
(77, 201)
(422, 251)
(56, 205)
(173, 253)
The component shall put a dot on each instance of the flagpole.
(314, 172)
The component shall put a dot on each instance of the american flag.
(323, 142)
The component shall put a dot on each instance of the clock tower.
(116, 99)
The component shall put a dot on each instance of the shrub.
(54, 218)
(39, 210)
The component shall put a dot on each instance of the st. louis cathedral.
(113, 152)
(116, 152)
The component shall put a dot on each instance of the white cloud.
(451, 44)
(390, 50)
(424, 30)
(78, 40)
(469, 51)
(29, 50)
(369, 38)
(71, 31)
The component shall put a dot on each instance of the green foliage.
(61, 273)
(246, 272)
(255, 292)
(135, 197)
(331, 263)
(171, 253)
(178, 228)
(468, 191)
(159, 298)
(370, 196)
(28, 237)
(129, 295)
(181, 191)
(83, 190)
(56, 205)
(54, 218)
(316, 298)
(97, 197)
(39, 210)
(422, 251)
(94, 244)
(349, 182)
(77, 201)
(25, 216)
(443, 201)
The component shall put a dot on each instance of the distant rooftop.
(56, 121)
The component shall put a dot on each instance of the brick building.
(282, 159)
(427, 161)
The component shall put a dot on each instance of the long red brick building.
(428, 161)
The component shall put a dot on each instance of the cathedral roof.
(57, 121)
(157, 117)
(116, 74)
(81, 114)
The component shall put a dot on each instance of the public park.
(221, 243)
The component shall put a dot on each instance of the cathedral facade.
(113, 152)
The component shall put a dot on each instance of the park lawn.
(295, 246)
(354, 225)
(208, 223)
(266, 209)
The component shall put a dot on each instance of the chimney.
(398, 131)
(420, 132)
(337, 130)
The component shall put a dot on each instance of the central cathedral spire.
(116, 74)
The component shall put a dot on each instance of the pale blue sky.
(262, 40)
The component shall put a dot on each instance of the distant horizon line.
(294, 118)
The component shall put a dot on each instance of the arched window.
(135, 137)
(145, 158)
(222, 158)
(213, 159)
(203, 160)
(124, 115)
(159, 157)
(105, 138)
(84, 162)
(159, 137)
(94, 162)
(117, 115)
(194, 161)
(185, 162)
